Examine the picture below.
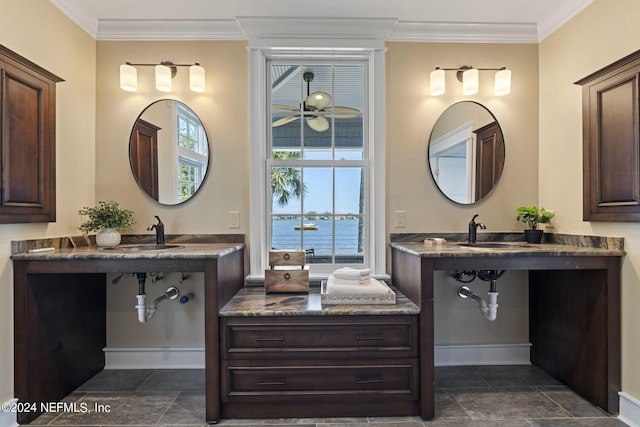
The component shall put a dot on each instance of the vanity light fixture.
(164, 72)
(469, 78)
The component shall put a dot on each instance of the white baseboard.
(629, 410)
(482, 354)
(154, 358)
(9, 418)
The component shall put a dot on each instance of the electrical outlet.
(234, 219)
(401, 219)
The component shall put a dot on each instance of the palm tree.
(285, 181)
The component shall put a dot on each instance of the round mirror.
(466, 152)
(169, 152)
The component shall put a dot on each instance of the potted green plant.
(109, 219)
(532, 216)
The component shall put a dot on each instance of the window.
(317, 164)
(318, 161)
(192, 153)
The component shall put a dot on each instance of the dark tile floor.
(480, 396)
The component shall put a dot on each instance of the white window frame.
(198, 158)
(260, 124)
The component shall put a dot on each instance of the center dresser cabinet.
(288, 355)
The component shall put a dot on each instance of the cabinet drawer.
(267, 338)
(285, 257)
(366, 379)
(286, 280)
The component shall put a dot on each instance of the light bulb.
(503, 82)
(470, 82)
(196, 78)
(128, 78)
(163, 78)
(436, 82)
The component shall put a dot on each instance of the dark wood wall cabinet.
(27, 140)
(611, 147)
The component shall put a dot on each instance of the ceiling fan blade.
(284, 121)
(318, 100)
(318, 123)
(284, 107)
(342, 112)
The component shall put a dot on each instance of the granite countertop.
(184, 251)
(506, 249)
(254, 301)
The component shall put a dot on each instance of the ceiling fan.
(316, 109)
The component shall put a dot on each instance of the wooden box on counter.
(287, 273)
(286, 258)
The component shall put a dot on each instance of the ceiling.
(428, 20)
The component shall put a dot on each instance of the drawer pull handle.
(378, 337)
(371, 381)
(281, 382)
(280, 338)
(287, 276)
(286, 256)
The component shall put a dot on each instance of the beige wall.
(603, 33)
(223, 109)
(95, 124)
(40, 32)
(411, 114)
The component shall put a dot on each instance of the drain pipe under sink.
(146, 312)
(490, 310)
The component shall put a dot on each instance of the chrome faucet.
(473, 229)
(159, 227)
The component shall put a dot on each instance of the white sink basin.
(142, 247)
(495, 245)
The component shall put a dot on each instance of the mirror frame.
(501, 154)
(140, 120)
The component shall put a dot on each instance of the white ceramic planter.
(108, 237)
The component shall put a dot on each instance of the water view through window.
(318, 162)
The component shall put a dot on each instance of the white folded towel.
(351, 273)
(352, 282)
(374, 287)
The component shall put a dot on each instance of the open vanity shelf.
(574, 308)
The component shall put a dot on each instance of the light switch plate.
(400, 219)
(234, 219)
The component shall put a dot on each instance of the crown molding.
(142, 29)
(74, 10)
(464, 32)
(318, 30)
(560, 16)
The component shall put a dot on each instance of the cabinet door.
(611, 148)
(489, 158)
(27, 143)
(144, 156)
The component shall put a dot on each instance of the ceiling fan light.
(128, 78)
(163, 78)
(436, 82)
(470, 82)
(318, 100)
(196, 78)
(503, 82)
